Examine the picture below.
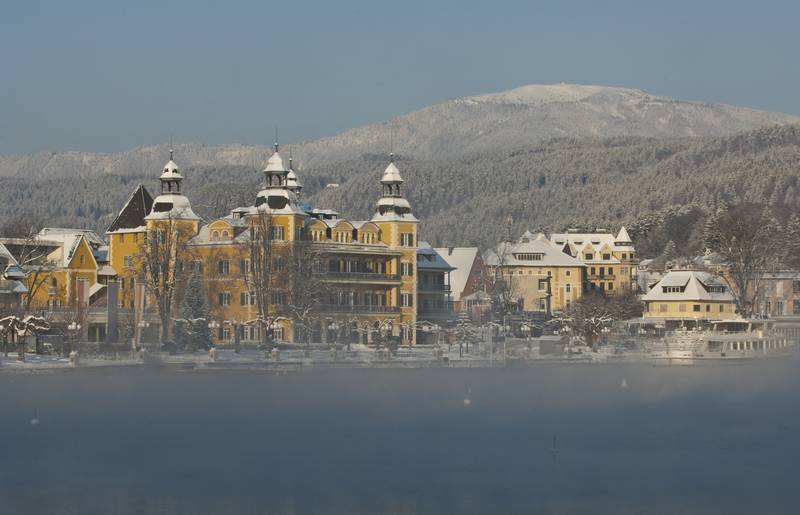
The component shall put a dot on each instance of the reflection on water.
(546, 439)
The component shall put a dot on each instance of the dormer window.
(215, 236)
(529, 256)
(589, 255)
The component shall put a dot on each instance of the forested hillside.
(470, 200)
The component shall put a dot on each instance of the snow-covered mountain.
(453, 128)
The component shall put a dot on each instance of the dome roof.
(171, 170)
(275, 164)
(391, 174)
(171, 206)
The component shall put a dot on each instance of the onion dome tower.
(276, 195)
(392, 206)
(171, 203)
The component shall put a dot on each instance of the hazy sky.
(107, 75)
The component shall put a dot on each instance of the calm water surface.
(546, 439)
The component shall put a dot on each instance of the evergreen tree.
(191, 330)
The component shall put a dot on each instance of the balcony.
(358, 308)
(433, 288)
(360, 276)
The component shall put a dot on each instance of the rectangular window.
(682, 308)
(407, 268)
(245, 266)
(610, 271)
(610, 286)
(407, 239)
(591, 271)
(696, 308)
(567, 273)
(569, 288)
(128, 260)
(277, 298)
(197, 266)
(226, 333)
(406, 300)
(224, 298)
(276, 232)
(224, 267)
(588, 256)
(708, 308)
(542, 284)
(606, 257)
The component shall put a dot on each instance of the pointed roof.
(391, 174)
(136, 208)
(171, 170)
(275, 162)
(623, 237)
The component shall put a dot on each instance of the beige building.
(610, 260)
(689, 295)
(543, 277)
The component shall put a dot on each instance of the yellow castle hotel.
(369, 266)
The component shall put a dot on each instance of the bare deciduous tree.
(304, 287)
(164, 267)
(748, 239)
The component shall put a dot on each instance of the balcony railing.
(433, 288)
(359, 276)
(359, 308)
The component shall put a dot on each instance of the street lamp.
(213, 326)
(73, 329)
(333, 328)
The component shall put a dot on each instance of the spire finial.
(170, 148)
(391, 157)
(276, 139)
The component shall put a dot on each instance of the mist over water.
(543, 439)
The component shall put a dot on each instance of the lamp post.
(213, 326)
(143, 325)
(73, 329)
(333, 329)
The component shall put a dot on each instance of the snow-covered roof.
(171, 206)
(391, 174)
(462, 260)
(429, 259)
(275, 163)
(529, 252)
(623, 237)
(171, 170)
(579, 242)
(70, 240)
(276, 201)
(106, 270)
(692, 285)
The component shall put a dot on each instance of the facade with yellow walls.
(683, 295)
(72, 255)
(610, 261)
(368, 267)
(543, 277)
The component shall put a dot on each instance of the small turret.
(392, 205)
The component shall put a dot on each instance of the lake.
(541, 439)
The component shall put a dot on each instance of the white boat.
(731, 340)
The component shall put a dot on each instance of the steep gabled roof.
(132, 215)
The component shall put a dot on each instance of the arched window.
(224, 235)
(215, 236)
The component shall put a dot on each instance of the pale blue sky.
(107, 75)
